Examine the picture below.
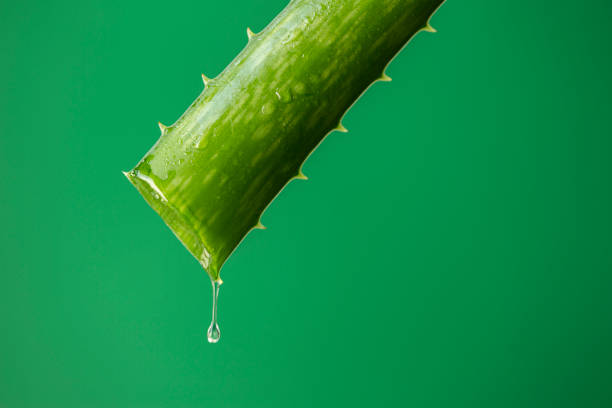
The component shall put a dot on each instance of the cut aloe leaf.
(213, 173)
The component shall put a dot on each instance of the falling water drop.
(214, 333)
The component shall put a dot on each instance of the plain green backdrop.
(454, 249)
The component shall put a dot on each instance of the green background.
(453, 249)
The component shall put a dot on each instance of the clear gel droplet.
(214, 333)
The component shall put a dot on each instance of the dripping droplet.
(214, 333)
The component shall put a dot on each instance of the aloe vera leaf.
(212, 173)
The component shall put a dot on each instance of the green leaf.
(213, 173)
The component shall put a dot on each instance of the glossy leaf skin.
(212, 174)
